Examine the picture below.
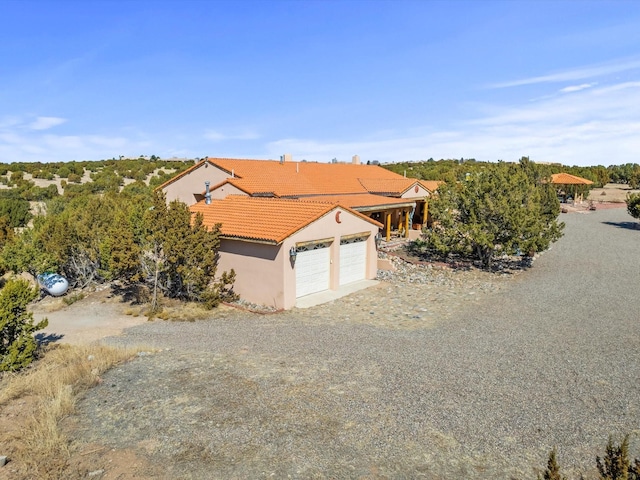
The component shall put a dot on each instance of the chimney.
(207, 193)
(355, 159)
(287, 157)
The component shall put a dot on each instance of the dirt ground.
(99, 314)
(612, 192)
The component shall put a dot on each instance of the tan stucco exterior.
(186, 186)
(259, 270)
(264, 273)
(225, 189)
(420, 194)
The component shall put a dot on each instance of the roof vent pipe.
(207, 193)
(233, 174)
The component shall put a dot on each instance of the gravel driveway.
(469, 375)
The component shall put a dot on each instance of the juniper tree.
(552, 471)
(180, 255)
(615, 465)
(501, 209)
(633, 205)
(17, 344)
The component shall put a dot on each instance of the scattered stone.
(95, 473)
(3, 460)
(252, 307)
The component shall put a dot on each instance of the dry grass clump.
(49, 389)
(185, 312)
(173, 310)
(73, 298)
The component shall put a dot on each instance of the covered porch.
(397, 215)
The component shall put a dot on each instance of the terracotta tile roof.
(568, 179)
(291, 179)
(431, 185)
(396, 186)
(269, 220)
(362, 200)
(180, 175)
(200, 164)
(387, 186)
(275, 186)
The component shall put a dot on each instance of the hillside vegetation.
(108, 225)
(457, 169)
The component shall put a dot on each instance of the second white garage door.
(312, 270)
(353, 260)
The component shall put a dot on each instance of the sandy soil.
(612, 192)
(100, 314)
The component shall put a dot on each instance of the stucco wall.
(264, 273)
(185, 187)
(225, 189)
(328, 227)
(420, 194)
(259, 271)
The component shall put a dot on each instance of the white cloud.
(7, 122)
(592, 126)
(575, 74)
(45, 123)
(32, 146)
(577, 88)
(217, 136)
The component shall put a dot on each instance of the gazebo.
(571, 185)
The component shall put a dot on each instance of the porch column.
(406, 224)
(425, 213)
(388, 222)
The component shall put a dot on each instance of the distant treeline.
(105, 175)
(448, 169)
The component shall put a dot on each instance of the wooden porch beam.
(388, 222)
(425, 213)
(406, 224)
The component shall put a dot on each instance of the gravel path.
(469, 375)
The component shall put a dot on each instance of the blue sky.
(558, 81)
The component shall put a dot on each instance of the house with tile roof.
(405, 206)
(291, 229)
(297, 248)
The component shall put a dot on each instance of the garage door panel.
(312, 271)
(353, 261)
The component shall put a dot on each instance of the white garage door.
(312, 270)
(353, 260)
